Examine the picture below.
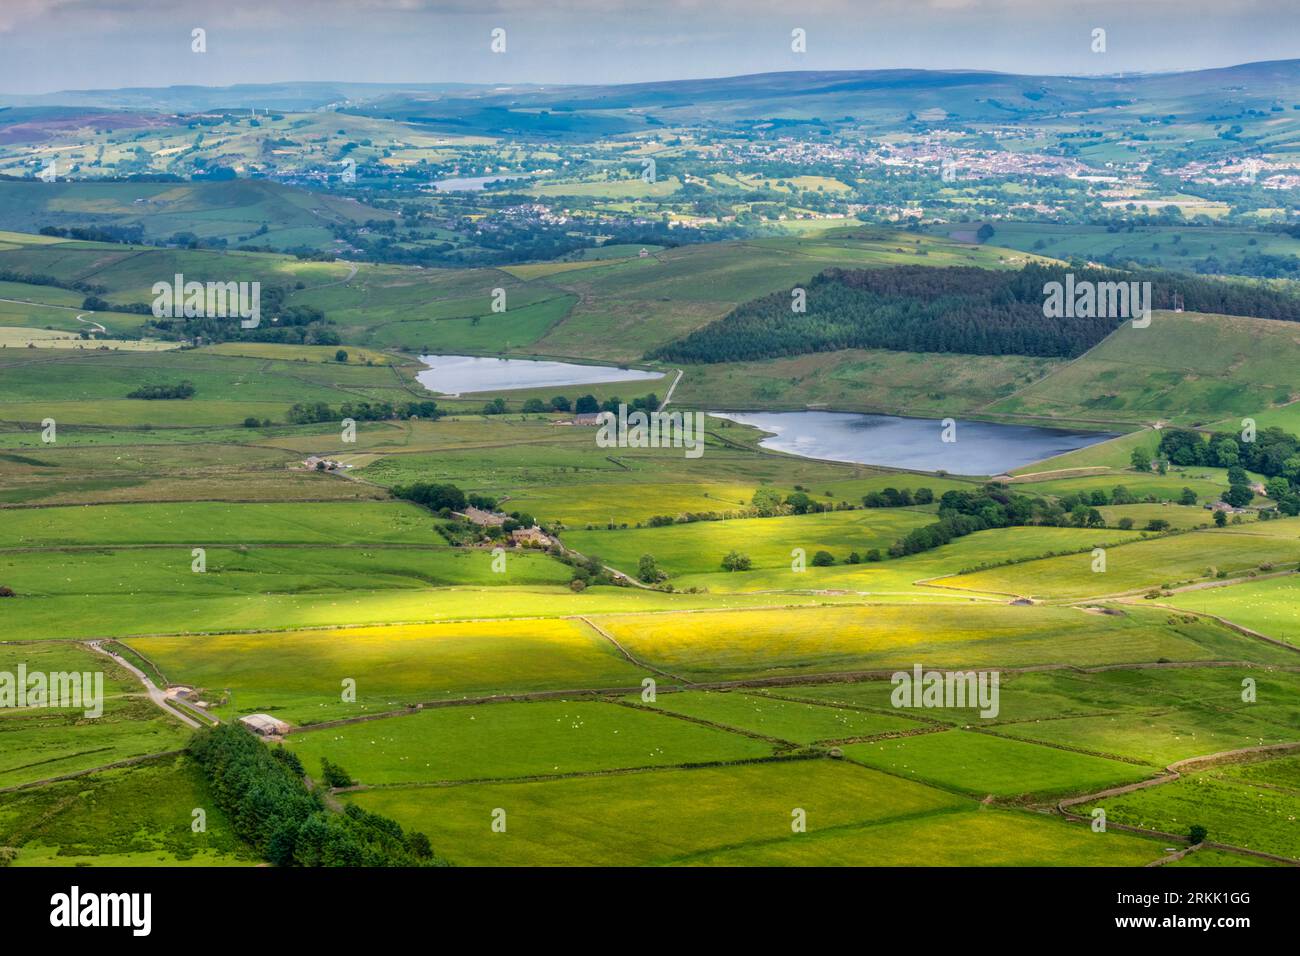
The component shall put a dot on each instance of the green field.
(1270, 606)
(517, 740)
(1253, 815)
(747, 644)
(980, 837)
(299, 675)
(1186, 368)
(982, 764)
(39, 744)
(787, 720)
(141, 816)
(1196, 556)
(699, 547)
(658, 817)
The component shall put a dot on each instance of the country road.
(156, 695)
(671, 388)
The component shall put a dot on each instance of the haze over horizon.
(103, 46)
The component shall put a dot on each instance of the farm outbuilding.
(265, 725)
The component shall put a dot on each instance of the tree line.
(310, 413)
(959, 309)
(263, 792)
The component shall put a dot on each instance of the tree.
(767, 502)
(1187, 497)
(736, 561)
(495, 407)
(1239, 496)
(1157, 524)
(586, 405)
(333, 775)
(984, 233)
(648, 571)
(823, 559)
(1125, 524)
(1120, 495)
(534, 406)
(1220, 519)
(799, 502)
(1140, 460)
(560, 403)
(341, 355)
(1277, 488)
(1197, 834)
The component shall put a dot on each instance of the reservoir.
(455, 374)
(981, 448)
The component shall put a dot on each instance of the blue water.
(455, 374)
(981, 448)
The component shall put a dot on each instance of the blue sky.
(48, 45)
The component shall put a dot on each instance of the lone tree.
(648, 571)
(333, 774)
(341, 355)
(1140, 460)
(736, 561)
(1197, 834)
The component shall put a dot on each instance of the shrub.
(736, 561)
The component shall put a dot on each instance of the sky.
(49, 45)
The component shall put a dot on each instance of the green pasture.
(699, 547)
(657, 817)
(982, 764)
(492, 741)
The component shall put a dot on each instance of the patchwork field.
(742, 645)
(1255, 809)
(1270, 606)
(1162, 562)
(657, 817)
(517, 740)
(552, 713)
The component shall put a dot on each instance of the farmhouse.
(530, 537)
(492, 519)
(319, 463)
(264, 725)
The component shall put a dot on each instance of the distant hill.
(292, 97)
(226, 210)
(883, 96)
